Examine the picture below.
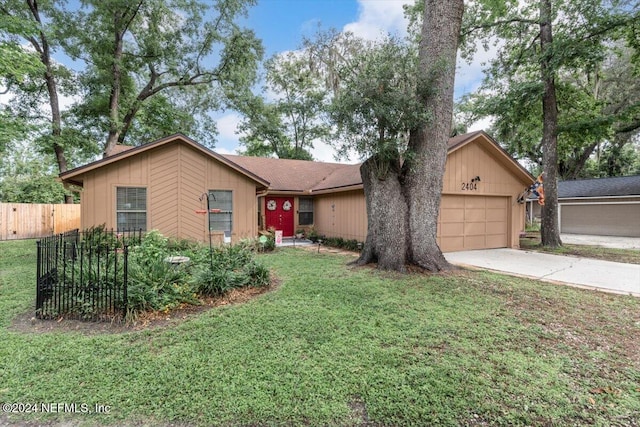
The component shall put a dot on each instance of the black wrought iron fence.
(83, 275)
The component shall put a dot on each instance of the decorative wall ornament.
(286, 206)
(271, 205)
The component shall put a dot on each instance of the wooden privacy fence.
(28, 221)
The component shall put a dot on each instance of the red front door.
(279, 214)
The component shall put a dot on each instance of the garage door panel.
(472, 202)
(452, 202)
(452, 215)
(497, 215)
(495, 228)
(450, 244)
(474, 242)
(452, 229)
(475, 214)
(496, 202)
(475, 228)
(472, 222)
(496, 241)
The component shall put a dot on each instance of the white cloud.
(482, 124)
(377, 18)
(223, 150)
(227, 126)
(469, 75)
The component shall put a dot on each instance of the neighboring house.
(600, 206)
(159, 186)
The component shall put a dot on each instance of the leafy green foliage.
(377, 104)
(597, 93)
(288, 125)
(142, 70)
(26, 177)
(338, 242)
(233, 267)
(155, 284)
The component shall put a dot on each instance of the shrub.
(339, 242)
(233, 267)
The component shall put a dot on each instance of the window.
(305, 211)
(223, 200)
(131, 208)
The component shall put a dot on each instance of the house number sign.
(470, 185)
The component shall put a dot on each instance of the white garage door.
(472, 222)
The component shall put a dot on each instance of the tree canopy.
(87, 76)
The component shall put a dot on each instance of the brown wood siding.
(601, 219)
(33, 220)
(341, 215)
(175, 175)
(162, 191)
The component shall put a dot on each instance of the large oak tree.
(382, 96)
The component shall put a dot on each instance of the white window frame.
(214, 204)
(125, 210)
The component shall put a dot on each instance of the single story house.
(599, 206)
(163, 185)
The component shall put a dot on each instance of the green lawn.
(335, 345)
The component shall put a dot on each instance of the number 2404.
(469, 186)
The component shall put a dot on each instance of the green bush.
(231, 267)
(339, 242)
(155, 284)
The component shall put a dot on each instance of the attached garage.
(473, 222)
(478, 208)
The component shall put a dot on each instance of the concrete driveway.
(581, 272)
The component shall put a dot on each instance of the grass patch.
(341, 346)
(630, 256)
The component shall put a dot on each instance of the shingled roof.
(299, 175)
(280, 175)
(600, 187)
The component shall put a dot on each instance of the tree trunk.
(550, 230)
(386, 241)
(403, 204)
(425, 171)
(42, 47)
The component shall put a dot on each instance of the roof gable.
(75, 176)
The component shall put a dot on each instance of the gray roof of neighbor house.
(600, 187)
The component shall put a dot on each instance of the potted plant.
(313, 235)
(299, 233)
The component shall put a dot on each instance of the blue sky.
(281, 24)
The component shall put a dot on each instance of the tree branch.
(497, 24)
